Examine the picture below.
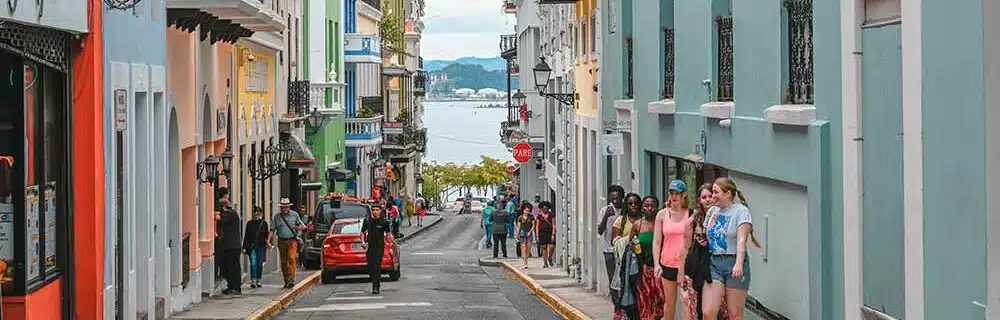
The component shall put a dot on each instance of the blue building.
(138, 266)
(748, 90)
(363, 105)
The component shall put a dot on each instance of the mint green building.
(323, 36)
(706, 99)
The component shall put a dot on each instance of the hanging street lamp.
(542, 72)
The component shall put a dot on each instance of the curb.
(560, 306)
(488, 262)
(275, 306)
(418, 231)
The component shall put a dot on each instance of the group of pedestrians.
(656, 254)
(253, 240)
(526, 223)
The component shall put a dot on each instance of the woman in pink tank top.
(670, 243)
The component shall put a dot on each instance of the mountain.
(471, 76)
(490, 64)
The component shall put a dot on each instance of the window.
(33, 154)
(628, 68)
(583, 35)
(612, 6)
(799, 88)
(668, 64)
(879, 11)
(724, 58)
(593, 34)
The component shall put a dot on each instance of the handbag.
(297, 237)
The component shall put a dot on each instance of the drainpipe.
(852, 16)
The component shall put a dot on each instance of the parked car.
(344, 254)
(327, 211)
(453, 206)
(477, 206)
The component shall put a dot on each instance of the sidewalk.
(562, 294)
(270, 299)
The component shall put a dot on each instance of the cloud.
(461, 28)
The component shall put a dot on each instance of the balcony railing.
(363, 128)
(419, 84)
(629, 71)
(509, 6)
(724, 59)
(799, 89)
(298, 98)
(508, 46)
(325, 96)
(420, 63)
(668, 63)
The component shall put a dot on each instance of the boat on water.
(491, 106)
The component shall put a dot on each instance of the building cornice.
(368, 11)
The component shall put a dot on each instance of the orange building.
(52, 214)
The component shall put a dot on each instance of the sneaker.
(235, 292)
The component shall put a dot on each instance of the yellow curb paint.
(275, 306)
(563, 308)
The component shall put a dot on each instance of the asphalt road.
(440, 280)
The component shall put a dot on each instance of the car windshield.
(347, 228)
(326, 213)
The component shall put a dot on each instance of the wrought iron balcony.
(298, 99)
(799, 89)
(629, 69)
(724, 59)
(419, 84)
(363, 132)
(668, 64)
(508, 46)
(325, 96)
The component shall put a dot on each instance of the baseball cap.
(678, 186)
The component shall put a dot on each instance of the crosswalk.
(358, 300)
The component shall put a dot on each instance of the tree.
(448, 178)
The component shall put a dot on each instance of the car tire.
(311, 264)
(328, 276)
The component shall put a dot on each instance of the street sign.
(121, 110)
(522, 152)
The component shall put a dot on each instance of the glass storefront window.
(33, 157)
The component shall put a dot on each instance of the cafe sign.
(66, 15)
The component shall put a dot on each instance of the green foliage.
(391, 28)
(444, 178)
(474, 77)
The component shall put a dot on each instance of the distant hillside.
(490, 64)
(471, 76)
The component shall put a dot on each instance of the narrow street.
(441, 280)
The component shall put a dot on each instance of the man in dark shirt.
(499, 217)
(373, 232)
(229, 225)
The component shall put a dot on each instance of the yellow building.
(586, 124)
(256, 126)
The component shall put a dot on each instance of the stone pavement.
(556, 282)
(269, 299)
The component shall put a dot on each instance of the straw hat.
(285, 202)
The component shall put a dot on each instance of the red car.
(344, 254)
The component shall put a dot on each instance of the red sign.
(524, 112)
(522, 152)
(511, 169)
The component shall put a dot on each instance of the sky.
(463, 28)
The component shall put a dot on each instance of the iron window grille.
(724, 59)
(298, 97)
(799, 89)
(629, 93)
(668, 63)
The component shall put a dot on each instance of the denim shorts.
(722, 271)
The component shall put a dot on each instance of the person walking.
(486, 223)
(256, 241)
(373, 232)
(286, 225)
(527, 227)
(728, 226)
(499, 219)
(232, 243)
(610, 214)
(411, 210)
(649, 287)
(421, 209)
(546, 231)
(621, 233)
(392, 211)
(696, 265)
(670, 243)
(511, 208)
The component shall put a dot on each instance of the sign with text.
(522, 152)
(121, 109)
(617, 125)
(68, 15)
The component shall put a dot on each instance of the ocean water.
(459, 132)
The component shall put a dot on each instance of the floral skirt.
(650, 290)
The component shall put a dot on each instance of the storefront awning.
(302, 156)
(340, 174)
